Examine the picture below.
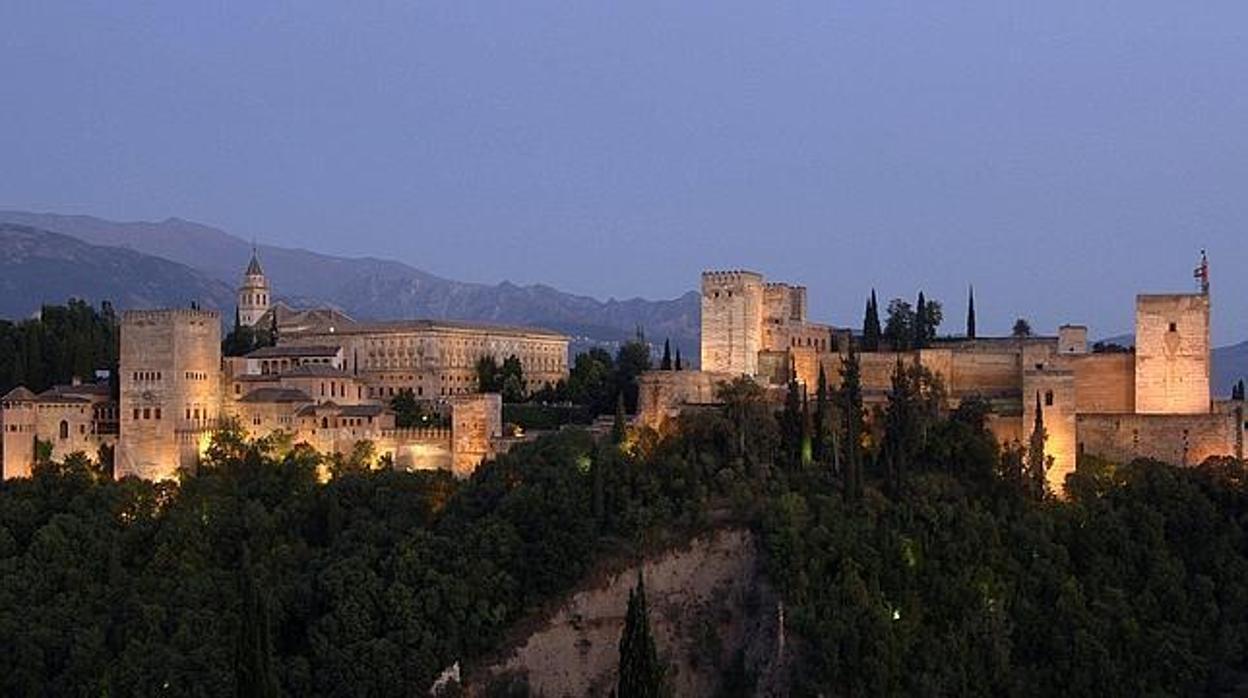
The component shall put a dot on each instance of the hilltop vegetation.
(942, 574)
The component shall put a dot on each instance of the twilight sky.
(1060, 155)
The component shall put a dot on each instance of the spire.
(253, 267)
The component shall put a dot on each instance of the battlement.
(410, 434)
(731, 276)
(783, 285)
(166, 314)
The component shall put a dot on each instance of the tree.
(899, 327)
(620, 424)
(1037, 464)
(791, 423)
(489, 378)
(591, 381)
(901, 440)
(920, 323)
(1237, 391)
(871, 332)
(641, 674)
(273, 327)
(666, 364)
(1022, 328)
(853, 426)
(679, 364)
(254, 676)
(631, 361)
(511, 380)
(407, 411)
(970, 314)
(820, 437)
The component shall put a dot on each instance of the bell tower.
(253, 294)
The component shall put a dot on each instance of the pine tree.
(641, 674)
(666, 364)
(853, 427)
(1036, 463)
(970, 314)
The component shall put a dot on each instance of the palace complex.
(1152, 402)
(328, 382)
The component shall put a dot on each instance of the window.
(64, 429)
(1048, 398)
(1174, 327)
(147, 413)
(157, 413)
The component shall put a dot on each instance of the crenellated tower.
(732, 321)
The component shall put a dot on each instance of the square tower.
(732, 321)
(170, 368)
(1172, 354)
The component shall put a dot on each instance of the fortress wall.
(663, 393)
(1105, 383)
(17, 446)
(1054, 389)
(1176, 439)
(985, 374)
(1172, 354)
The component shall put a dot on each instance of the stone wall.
(1105, 383)
(1053, 390)
(1172, 354)
(1177, 439)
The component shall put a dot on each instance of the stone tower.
(170, 389)
(1172, 354)
(253, 294)
(1051, 387)
(732, 321)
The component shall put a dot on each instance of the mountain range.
(47, 257)
(364, 287)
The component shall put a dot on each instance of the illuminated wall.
(1172, 354)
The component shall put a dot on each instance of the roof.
(81, 391)
(320, 370)
(19, 394)
(294, 351)
(388, 326)
(362, 410)
(276, 395)
(253, 267)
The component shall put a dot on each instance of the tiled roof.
(276, 395)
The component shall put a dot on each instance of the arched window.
(324, 422)
(64, 430)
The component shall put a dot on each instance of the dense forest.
(64, 342)
(913, 554)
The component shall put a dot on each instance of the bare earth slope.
(714, 617)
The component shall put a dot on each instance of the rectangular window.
(147, 413)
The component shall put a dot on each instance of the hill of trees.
(915, 560)
(63, 342)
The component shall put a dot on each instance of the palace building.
(328, 382)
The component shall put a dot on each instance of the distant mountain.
(39, 267)
(370, 288)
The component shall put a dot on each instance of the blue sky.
(1061, 156)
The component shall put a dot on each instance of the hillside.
(370, 288)
(38, 267)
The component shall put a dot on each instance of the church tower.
(253, 295)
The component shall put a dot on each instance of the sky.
(1061, 155)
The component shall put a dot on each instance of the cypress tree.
(970, 314)
(666, 364)
(680, 366)
(1036, 463)
(819, 446)
(619, 426)
(253, 659)
(273, 328)
(806, 452)
(871, 330)
(853, 427)
(791, 422)
(920, 323)
(641, 675)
